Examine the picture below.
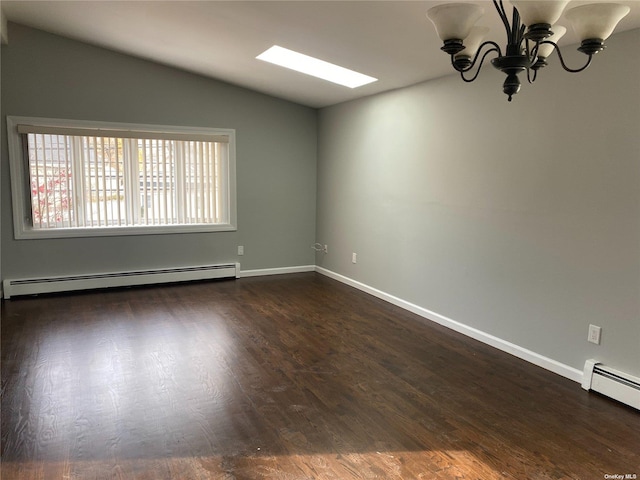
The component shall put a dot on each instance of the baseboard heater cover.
(613, 383)
(32, 286)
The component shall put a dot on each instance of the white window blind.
(97, 178)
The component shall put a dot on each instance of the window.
(74, 178)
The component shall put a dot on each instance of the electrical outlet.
(354, 258)
(594, 334)
(319, 247)
(240, 250)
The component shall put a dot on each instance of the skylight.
(314, 67)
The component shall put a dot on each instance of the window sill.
(31, 234)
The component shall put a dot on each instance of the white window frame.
(20, 181)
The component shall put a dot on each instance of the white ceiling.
(390, 40)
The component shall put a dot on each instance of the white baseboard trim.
(276, 271)
(486, 338)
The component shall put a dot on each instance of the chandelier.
(531, 36)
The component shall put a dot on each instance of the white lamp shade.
(546, 50)
(473, 41)
(596, 20)
(454, 20)
(539, 11)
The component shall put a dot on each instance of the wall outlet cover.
(594, 334)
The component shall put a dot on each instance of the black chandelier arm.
(517, 31)
(531, 77)
(462, 72)
(503, 16)
(532, 53)
(564, 65)
(496, 48)
(523, 29)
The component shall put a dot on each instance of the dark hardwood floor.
(285, 377)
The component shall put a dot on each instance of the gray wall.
(518, 219)
(48, 76)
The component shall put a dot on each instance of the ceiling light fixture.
(314, 67)
(530, 35)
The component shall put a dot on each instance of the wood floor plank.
(290, 377)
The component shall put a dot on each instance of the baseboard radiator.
(32, 286)
(610, 382)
